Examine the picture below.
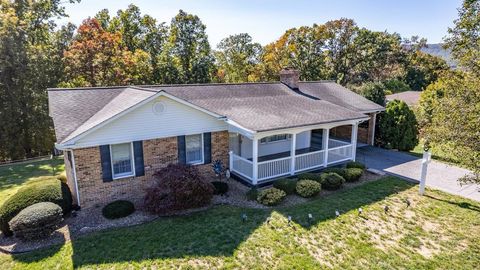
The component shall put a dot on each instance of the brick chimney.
(290, 77)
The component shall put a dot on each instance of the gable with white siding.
(160, 118)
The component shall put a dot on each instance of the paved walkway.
(440, 175)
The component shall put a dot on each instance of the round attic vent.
(158, 108)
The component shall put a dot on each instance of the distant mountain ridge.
(438, 50)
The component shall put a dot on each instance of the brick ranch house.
(115, 138)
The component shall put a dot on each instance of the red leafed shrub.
(177, 187)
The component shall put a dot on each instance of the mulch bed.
(91, 220)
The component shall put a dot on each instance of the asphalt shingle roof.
(255, 106)
(410, 97)
(337, 94)
(261, 106)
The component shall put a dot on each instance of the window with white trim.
(276, 138)
(122, 160)
(194, 148)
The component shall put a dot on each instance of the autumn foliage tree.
(97, 58)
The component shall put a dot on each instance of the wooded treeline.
(130, 47)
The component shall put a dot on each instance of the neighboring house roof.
(410, 97)
(254, 106)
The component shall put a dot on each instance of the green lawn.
(12, 177)
(438, 231)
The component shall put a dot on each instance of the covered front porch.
(266, 156)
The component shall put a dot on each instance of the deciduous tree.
(236, 58)
(97, 58)
(30, 51)
(463, 38)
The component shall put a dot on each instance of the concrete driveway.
(440, 175)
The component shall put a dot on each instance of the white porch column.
(292, 153)
(325, 135)
(255, 161)
(354, 140)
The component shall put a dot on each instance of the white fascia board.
(237, 128)
(296, 130)
(139, 138)
(374, 111)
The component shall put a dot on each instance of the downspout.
(75, 177)
(373, 129)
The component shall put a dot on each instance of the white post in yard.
(427, 156)
(354, 140)
(292, 153)
(255, 161)
(230, 163)
(325, 135)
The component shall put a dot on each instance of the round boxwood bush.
(37, 221)
(118, 209)
(339, 171)
(353, 174)
(220, 187)
(287, 185)
(310, 176)
(332, 181)
(308, 188)
(355, 164)
(252, 194)
(271, 196)
(51, 190)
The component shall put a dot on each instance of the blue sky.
(266, 20)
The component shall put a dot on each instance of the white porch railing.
(339, 154)
(332, 143)
(273, 168)
(242, 166)
(283, 166)
(309, 161)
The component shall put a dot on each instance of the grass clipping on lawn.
(436, 231)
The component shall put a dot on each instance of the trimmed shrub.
(50, 190)
(332, 181)
(271, 196)
(398, 127)
(37, 221)
(118, 209)
(355, 164)
(339, 171)
(252, 194)
(310, 176)
(62, 177)
(177, 187)
(220, 188)
(287, 185)
(353, 174)
(308, 188)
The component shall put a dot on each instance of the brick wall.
(157, 153)
(345, 132)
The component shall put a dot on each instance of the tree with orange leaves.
(97, 58)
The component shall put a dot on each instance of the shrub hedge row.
(51, 190)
